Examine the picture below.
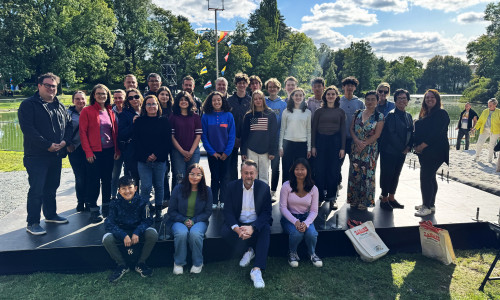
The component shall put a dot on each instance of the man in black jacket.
(247, 214)
(47, 130)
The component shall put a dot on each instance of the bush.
(29, 90)
(480, 89)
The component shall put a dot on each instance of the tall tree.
(359, 61)
(447, 73)
(326, 60)
(299, 56)
(404, 73)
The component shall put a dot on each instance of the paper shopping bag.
(366, 241)
(436, 243)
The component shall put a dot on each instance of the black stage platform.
(76, 246)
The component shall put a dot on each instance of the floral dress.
(361, 184)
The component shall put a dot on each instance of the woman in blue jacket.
(189, 210)
(218, 140)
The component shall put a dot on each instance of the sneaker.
(247, 258)
(80, 207)
(395, 204)
(118, 273)
(221, 205)
(333, 205)
(95, 217)
(273, 195)
(214, 206)
(165, 203)
(419, 207)
(422, 212)
(293, 259)
(35, 229)
(195, 269)
(386, 206)
(57, 219)
(256, 276)
(144, 270)
(178, 270)
(316, 261)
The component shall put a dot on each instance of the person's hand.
(247, 232)
(297, 225)
(271, 157)
(117, 156)
(53, 147)
(341, 154)
(303, 227)
(420, 148)
(313, 151)
(186, 155)
(91, 159)
(70, 148)
(152, 157)
(406, 150)
(216, 155)
(135, 118)
(135, 239)
(281, 152)
(308, 154)
(223, 156)
(188, 223)
(127, 241)
(243, 157)
(237, 143)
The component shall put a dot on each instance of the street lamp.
(216, 5)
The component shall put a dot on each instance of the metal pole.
(216, 48)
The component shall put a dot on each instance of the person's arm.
(313, 210)
(284, 118)
(198, 132)
(273, 132)
(204, 137)
(124, 126)
(68, 128)
(173, 205)
(26, 116)
(285, 193)
(84, 135)
(207, 210)
(265, 215)
(229, 217)
(391, 133)
(440, 123)
(245, 132)
(343, 134)
(378, 130)
(308, 133)
(481, 121)
(231, 137)
(314, 129)
(146, 221)
(110, 223)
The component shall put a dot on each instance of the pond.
(11, 137)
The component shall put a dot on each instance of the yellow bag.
(436, 243)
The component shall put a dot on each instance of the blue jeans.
(183, 235)
(117, 170)
(179, 166)
(152, 174)
(295, 237)
(44, 176)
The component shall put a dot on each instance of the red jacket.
(90, 131)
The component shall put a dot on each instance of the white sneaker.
(222, 205)
(424, 211)
(273, 195)
(316, 261)
(419, 207)
(256, 276)
(196, 270)
(178, 270)
(214, 206)
(247, 258)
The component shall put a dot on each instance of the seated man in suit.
(248, 220)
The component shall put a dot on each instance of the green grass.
(13, 161)
(399, 276)
(65, 99)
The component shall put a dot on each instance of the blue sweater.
(219, 132)
(278, 106)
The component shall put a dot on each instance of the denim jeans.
(78, 160)
(152, 174)
(44, 176)
(219, 175)
(117, 171)
(179, 166)
(295, 237)
(193, 236)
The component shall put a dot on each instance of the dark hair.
(255, 77)
(188, 77)
(249, 162)
(337, 100)
(350, 80)
(126, 103)
(401, 91)
(126, 181)
(318, 80)
(208, 105)
(241, 77)
(202, 185)
(291, 104)
(119, 91)
(143, 106)
(170, 97)
(372, 92)
(424, 111)
(105, 88)
(51, 75)
(308, 182)
(176, 109)
(77, 92)
(155, 75)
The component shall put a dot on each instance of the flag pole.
(218, 6)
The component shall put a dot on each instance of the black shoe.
(165, 203)
(386, 206)
(118, 273)
(333, 205)
(95, 217)
(396, 204)
(80, 207)
(144, 270)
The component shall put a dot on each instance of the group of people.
(310, 137)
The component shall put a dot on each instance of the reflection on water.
(11, 137)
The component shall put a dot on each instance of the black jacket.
(38, 129)
(397, 133)
(472, 114)
(151, 135)
(433, 130)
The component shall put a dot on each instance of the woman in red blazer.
(98, 134)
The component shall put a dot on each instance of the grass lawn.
(399, 276)
(13, 161)
(65, 99)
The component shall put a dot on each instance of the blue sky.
(418, 28)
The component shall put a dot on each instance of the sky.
(417, 28)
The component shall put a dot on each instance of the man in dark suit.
(247, 213)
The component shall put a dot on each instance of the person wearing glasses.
(98, 135)
(152, 142)
(166, 102)
(47, 130)
(384, 105)
(188, 214)
(154, 83)
(131, 111)
(118, 100)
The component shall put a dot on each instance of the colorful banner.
(222, 35)
(226, 57)
(203, 71)
(223, 71)
(208, 84)
(199, 55)
(229, 44)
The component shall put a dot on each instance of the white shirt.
(248, 214)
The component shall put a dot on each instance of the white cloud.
(327, 36)
(339, 14)
(197, 10)
(470, 17)
(397, 6)
(447, 5)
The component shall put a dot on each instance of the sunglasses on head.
(137, 97)
(383, 92)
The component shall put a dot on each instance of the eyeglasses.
(383, 92)
(49, 86)
(151, 104)
(401, 98)
(136, 97)
(195, 175)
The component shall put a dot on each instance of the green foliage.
(480, 89)
(404, 73)
(359, 61)
(299, 56)
(448, 74)
(326, 60)
(13, 161)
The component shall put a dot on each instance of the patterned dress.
(361, 184)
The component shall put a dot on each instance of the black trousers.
(428, 182)
(99, 175)
(78, 163)
(260, 240)
(291, 151)
(348, 143)
(327, 164)
(390, 170)
(233, 164)
(461, 134)
(275, 172)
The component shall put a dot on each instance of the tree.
(403, 73)
(326, 57)
(448, 74)
(359, 61)
(299, 56)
